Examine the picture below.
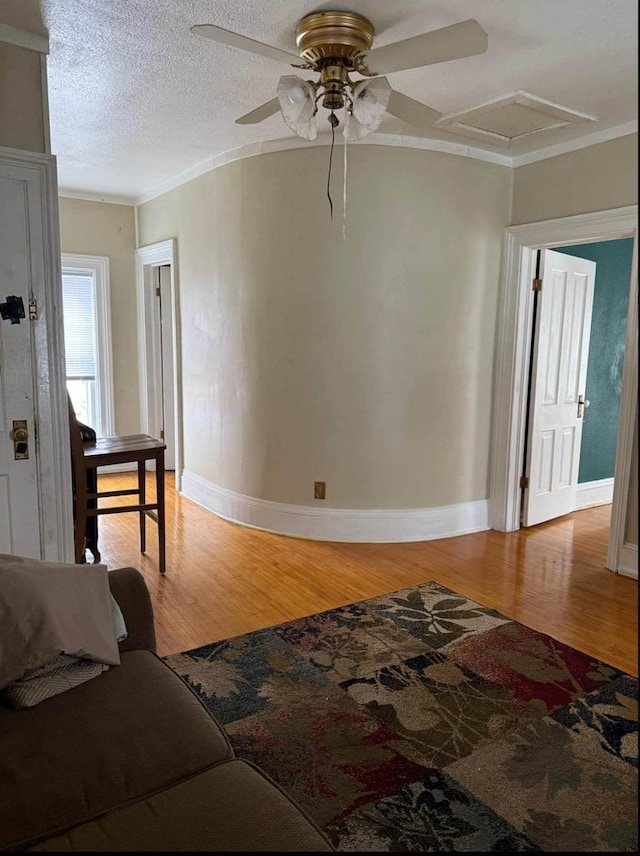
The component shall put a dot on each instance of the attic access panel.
(503, 121)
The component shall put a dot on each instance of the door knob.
(20, 436)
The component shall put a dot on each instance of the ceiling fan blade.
(260, 113)
(459, 40)
(409, 110)
(235, 40)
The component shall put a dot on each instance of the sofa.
(132, 761)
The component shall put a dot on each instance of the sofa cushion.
(126, 734)
(233, 806)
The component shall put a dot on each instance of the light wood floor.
(223, 579)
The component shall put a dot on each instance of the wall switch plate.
(319, 490)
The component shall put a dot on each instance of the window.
(87, 339)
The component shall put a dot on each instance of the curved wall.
(366, 362)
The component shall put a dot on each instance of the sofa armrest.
(132, 595)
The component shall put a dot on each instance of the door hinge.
(157, 291)
(33, 310)
(524, 481)
(162, 435)
(536, 284)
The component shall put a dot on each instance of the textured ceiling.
(136, 99)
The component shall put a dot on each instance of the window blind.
(79, 301)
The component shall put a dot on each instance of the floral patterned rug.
(421, 721)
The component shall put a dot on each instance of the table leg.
(142, 494)
(161, 515)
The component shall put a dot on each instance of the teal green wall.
(606, 352)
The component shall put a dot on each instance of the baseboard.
(598, 492)
(338, 524)
(628, 560)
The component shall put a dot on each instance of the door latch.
(20, 437)
(582, 405)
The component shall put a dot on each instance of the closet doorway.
(159, 349)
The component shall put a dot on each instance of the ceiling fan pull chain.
(333, 139)
(344, 177)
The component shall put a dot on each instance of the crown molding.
(23, 39)
(398, 140)
(288, 143)
(109, 198)
(448, 146)
(574, 145)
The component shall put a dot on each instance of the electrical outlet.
(319, 490)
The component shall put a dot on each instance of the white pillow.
(48, 609)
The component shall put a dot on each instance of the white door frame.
(148, 257)
(511, 374)
(54, 456)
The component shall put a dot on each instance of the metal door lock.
(20, 437)
(582, 405)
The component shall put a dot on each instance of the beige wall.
(366, 363)
(21, 115)
(103, 229)
(590, 179)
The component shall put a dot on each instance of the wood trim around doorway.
(513, 354)
(147, 257)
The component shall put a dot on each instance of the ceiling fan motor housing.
(344, 36)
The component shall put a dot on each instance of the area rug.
(422, 721)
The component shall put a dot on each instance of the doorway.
(575, 380)
(159, 351)
(513, 360)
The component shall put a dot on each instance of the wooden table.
(132, 448)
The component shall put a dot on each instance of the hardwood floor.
(223, 579)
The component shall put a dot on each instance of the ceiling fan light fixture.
(297, 94)
(297, 99)
(370, 100)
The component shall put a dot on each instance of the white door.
(558, 381)
(19, 493)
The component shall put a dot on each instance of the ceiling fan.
(337, 45)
